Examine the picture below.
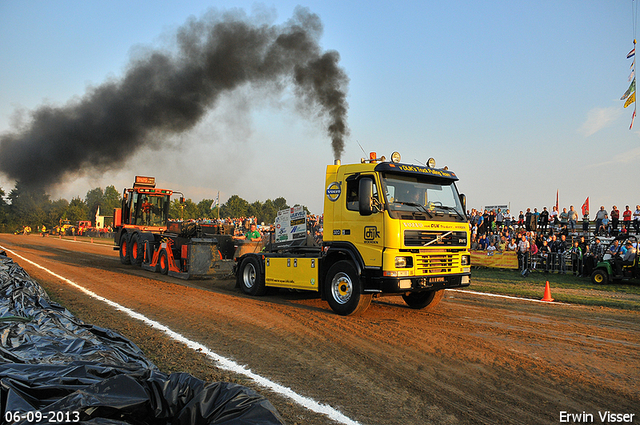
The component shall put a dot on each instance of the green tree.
(204, 209)
(111, 200)
(77, 210)
(93, 199)
(188, 210)
(280, 204)
(28, 205)
(4, 209)
(55, 211)
(235, 207)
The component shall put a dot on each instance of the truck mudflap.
(396, 285)
(198, 258)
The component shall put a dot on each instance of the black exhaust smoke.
(165, 93)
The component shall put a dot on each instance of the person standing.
(573, 218)
(499, 219)
(626, 218)
(527, 220)
(553, 247)
(561, 249)
(576, 258)
(480, 223)
(545, 255)
(615, 218)
(521, 219)
(544, 220)
(523, 254)
(600, 215)
(564, 218)
(636, 219)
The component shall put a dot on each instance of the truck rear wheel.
(427, 300)
(124, 249)
(343, 290)
(250, 277)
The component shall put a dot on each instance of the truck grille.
(436, 263)
(424, 237)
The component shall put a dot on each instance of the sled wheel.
(163, 262)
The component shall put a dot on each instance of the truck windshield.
(421, 198)
(152, 210)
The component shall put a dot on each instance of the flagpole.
(632, 54)
(218, 198)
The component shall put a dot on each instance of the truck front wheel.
(343, 290)
(250, 277)
(427, 300)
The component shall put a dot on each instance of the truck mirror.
(463, 201)
(365, 194)
(182, 199)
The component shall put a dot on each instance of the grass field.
(564, 288)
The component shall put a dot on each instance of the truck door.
(363, 230)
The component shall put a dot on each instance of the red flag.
(557, 204)
(585, 207)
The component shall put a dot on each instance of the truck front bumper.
(401, 285)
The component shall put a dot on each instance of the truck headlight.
(404, 262)
(466, 260)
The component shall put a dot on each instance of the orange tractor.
(146, 237)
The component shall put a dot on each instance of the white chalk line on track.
(489, 294)
(222, 362)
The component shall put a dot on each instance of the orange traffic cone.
(91, 240)
(547, 293)
(74, 238)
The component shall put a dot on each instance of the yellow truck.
(390, 228)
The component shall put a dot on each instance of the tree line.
(25, 206)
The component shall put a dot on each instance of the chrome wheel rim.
(249, 275)
(341, 288)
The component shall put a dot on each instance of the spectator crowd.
(551, 241)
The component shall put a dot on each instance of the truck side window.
(353, 196)
(132, 208)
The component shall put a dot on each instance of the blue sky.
(520, 99)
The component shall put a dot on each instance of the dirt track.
(475, 359)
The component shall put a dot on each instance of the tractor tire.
(250, 278)
(163, 262)
(600, 277)
(343, 290)
(125, 257)
(136, 252)
(423, 300)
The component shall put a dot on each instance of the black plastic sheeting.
(63, 370)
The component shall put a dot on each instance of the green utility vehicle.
(606, 270)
